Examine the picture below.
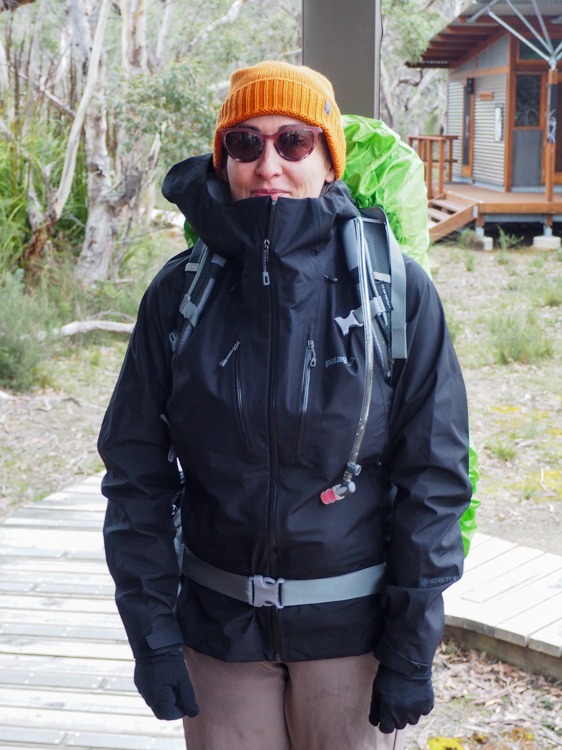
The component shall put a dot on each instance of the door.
(468, 128)
(528, 132)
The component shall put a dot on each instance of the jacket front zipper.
(269, 280)
(309, 363)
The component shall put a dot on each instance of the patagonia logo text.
(340, 360)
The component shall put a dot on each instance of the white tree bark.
(59, 199)
(133, 37)
(163, 33)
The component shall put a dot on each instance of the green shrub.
(24, 341)
(505, 450)
(508, 241)
(518, 340)
(469, 260)
(550, 293)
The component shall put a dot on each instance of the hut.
(501, 159)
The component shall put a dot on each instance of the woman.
(261, 407)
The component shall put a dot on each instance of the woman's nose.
(270, 163)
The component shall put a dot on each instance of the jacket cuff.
(386, 654)
(165, 637)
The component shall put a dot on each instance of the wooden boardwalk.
(65, 665)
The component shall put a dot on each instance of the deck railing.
(425, 150)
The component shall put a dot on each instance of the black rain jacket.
(262, 408)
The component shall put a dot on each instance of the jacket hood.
(231, 226)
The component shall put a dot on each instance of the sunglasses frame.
(315, 130)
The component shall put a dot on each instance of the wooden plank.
(70, 589)
(77, 721)
(56, 631)
(488, 551)
(528, 623)
(64, 566)
(534, 567)
(491, 569)
(477, 540)
(434, 213)
(122, 742)
(485, 618)
(60, 565)
(450, 205)
(81, 504)
(48, 539)
(60, 619)
(66, 700)
(30, 576)
(49, 737)
(47, 514)
(454, 222)
(548, 640)
(34, 602)
(54, 523)
(68, 666)
(73, 681)
(45, 647)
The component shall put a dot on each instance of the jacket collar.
(232, 227)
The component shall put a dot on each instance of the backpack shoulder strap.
(389, 286)
(201, 272)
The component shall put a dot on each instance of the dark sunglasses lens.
(242, 145)
(295, 144)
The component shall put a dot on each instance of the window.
(528, 101)
(526, 53)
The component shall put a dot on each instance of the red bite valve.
(337, 492)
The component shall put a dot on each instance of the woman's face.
(272, 175)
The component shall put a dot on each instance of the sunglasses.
(246, 145)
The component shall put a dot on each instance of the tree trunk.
(58, 201)
(101, 227)
(133, 37)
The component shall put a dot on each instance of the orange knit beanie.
(279, 88)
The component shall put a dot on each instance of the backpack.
(387, 288)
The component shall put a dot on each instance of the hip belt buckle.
(267, 592)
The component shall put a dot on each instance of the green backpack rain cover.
(381, 170)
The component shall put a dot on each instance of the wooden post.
(441, 165)
(429, 145)
(550, 151)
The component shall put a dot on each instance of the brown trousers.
(310, 705)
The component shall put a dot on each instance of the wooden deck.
(66, 668)
(499, 202)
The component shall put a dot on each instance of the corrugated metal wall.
(489, 155)
(454, 121)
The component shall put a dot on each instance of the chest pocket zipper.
(309, 363)
(238, 400)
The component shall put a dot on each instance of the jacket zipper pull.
(312, 353)
(265, 257)
(223, 362)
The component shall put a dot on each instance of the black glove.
(399, 699)
(163, 681)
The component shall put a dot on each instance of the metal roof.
(463, 37)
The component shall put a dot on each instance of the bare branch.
(55, 100)
(229, 17)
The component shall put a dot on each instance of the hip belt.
(262, 591)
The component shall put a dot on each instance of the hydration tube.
(353, 469)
